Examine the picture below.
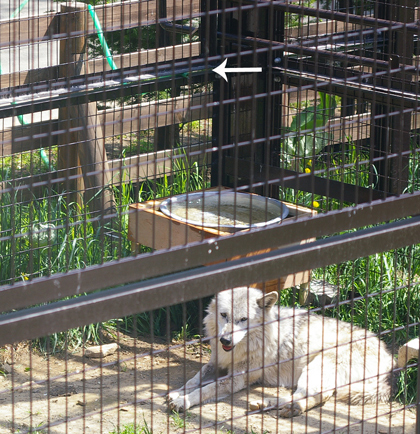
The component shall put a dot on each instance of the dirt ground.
(75, 394)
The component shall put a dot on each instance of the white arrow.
(222, 70)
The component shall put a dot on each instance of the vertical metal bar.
(275, 102)
(167, 136)
(392, 133)
(214, 48)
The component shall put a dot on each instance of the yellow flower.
(307, 170)
(315, 204)
(309, 162)
(24, 276)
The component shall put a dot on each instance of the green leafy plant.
(306, 136)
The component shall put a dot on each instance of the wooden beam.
(147, 57)
(114, 16)
(143, 57)
(28, 30)
(154, 164)
(159, 113)
(121, 120)
(120, 171)
(319, 29)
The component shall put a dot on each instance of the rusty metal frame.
(204, 281)
(147, 266)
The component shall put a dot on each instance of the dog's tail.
(370, 391)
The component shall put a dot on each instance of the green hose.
(105, 46)
(42, 153)
(102, 40)
(18, 9)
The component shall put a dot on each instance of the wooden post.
(246, 120)
(83, 151)
(72, 62)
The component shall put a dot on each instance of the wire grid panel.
(62, 384)
(108, 110)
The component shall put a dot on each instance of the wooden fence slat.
(114, 16)
(128, 119)
(320, 29)
(144, 57)
(116, 121)
(143, 117)
(119, 171)
(154, 164)
(148, 57)
(28, 30)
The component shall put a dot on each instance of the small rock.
(318, 293)
(408, 351)
(101, 350)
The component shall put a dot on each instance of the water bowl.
(226, 210)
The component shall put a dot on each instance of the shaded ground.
(129, 387)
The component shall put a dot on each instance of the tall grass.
(51, 235)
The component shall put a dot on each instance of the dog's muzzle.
(226, 344)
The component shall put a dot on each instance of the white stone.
(408, 351)
(101, 350)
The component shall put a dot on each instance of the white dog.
(254, 340)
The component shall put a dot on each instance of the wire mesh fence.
(156, 154)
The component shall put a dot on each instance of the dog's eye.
(244, 319)
(223, 315)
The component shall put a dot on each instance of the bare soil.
(75, 394)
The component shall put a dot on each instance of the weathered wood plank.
(154, 164)
(147, 57)
(117, 16)
(120, 171)
(28, 30)
(114, 16)
(156, 114)
(144, 57)
(320, 29)
(116, 121)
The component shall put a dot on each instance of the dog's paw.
(290, 410)
(178, 402)
(257, 405)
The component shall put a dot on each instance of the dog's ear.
(267, 301)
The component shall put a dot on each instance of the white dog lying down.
(314, 355)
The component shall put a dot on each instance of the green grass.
(133, 429)
(51, 235)
(179, 421)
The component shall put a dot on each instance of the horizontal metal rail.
(202, 282)
(97, 87)
(353, 88)
(149, 265)
(309, 182)
(123, 120)
(362, 20)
